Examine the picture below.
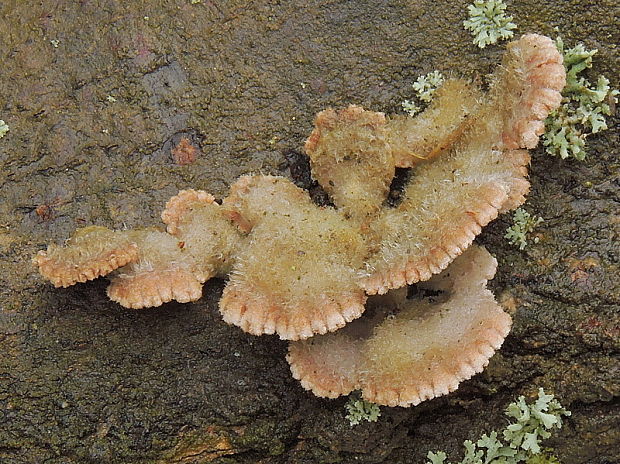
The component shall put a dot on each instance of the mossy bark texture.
(97, 92)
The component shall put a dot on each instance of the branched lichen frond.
(359, 410)
(524, 224)
(534, 423)
(584, 106)
(426, 85)
(4, 128)
(424, 88)
(410, 107)
(488, 22)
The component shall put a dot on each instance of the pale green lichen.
(426, 85)
(521, 438)
(524, 223)
(488, 22)
(410, 107)
(4, 128)
(359, 410)
(584, 106)
(424, 88)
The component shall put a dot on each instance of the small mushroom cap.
(153, 288)
(404, 352)
(180, 207)
(441, 215)
(351, 158)
(526, 88)
(428, 348)
(204, 230)
(328, 365)
(92, 252)
(296, 275)
(163, 272)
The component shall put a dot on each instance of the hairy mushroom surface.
(92, 252)
(350, 157)
(479, 174)
(296, 275)
(404, 351)
(203, 229)
(164, 271)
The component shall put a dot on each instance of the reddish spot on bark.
(184, 153)
(45, 212)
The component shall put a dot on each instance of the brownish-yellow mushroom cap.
(164, 271)
(402, 353)
(481, 173)
(92, 252)
(296, 274)
(180, 207)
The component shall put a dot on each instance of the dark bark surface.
(84, 381)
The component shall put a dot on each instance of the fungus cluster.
(303, 271)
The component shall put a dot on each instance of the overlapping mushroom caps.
(480, 169)
(404, 351)
(297, 269)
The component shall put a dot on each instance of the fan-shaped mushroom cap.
(350, 157)
(446, 205)
(92, 252)
(420, 138)
(296, 274)
(163, 272)
(204, 231)
(451, 197)
(526, 88)
(403, 353)
(180, 208)
(148, 289)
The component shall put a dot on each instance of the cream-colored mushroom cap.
(404, 351)
(163, 272)
(92, 252)
(297, 272)
(478, 174)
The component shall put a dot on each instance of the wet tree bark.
(98, 93)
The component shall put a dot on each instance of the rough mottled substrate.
(405, 351)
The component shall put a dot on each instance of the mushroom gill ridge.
(297, 269)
